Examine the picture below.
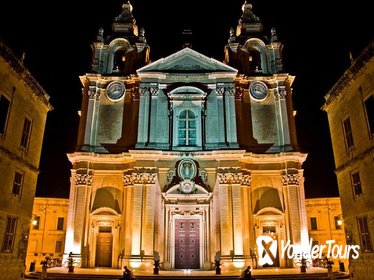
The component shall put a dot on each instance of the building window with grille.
(313, 223)
(363, 230)
(17, 183)
(348, 135)
(4, 112)
(187, 128)
(58, 247)
(60, 223)
(356, 183)
(369, 108)
(10, 233)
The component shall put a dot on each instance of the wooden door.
(104, 249)
(187, 254)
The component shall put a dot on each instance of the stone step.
(73, 276)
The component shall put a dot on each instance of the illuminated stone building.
(47, 231)
(350, 110)
(23, 110)
(325, 222)
(186, 158)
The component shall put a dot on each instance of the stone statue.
(126, 14)
(248, 15)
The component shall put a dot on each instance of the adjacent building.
(350, 110)
(325, 222)
(47, 232)
(186, 159)
(24, 105)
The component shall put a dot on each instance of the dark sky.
(56, 36)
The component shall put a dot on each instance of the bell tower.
(124, 50)
(110, 92)
(263, 97)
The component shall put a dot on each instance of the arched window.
(187, 128)
(254, 61)
(119, 61)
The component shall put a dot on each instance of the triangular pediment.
(187, 60)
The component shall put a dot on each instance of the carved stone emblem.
(187, 187)
(187, 169)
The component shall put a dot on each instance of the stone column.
(297, 211)
(92, 117)
(284, 138)
(230, 212)
(144, 100)
(231, 116)
(143, 212)
(221, 115)
(77, 218)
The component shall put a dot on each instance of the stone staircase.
(72, 276)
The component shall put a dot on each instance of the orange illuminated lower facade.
(185, 209)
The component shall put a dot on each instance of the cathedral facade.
(186, 159)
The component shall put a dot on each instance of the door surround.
(186, 216)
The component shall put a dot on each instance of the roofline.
(349, 75)
(159, 61)
(13, 61)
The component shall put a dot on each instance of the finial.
(126, 14)
(351, 57)
(232, 32)
(248, 15)
(187, 38)
(23, 57)
(273, 34)
(100, 35)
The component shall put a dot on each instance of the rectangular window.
(60, 223)
(4, 111)
(58, 247)
(9, 235)
(369, 108)
(348, 135)
(17, 183)
(363, 230)
(338, 222)
(356, 183)
(36, 222)
(26, 133)
(313, 223)
(269, 229)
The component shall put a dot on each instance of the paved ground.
(118, 272)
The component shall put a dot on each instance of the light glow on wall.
(70, 245)
(239, 263)
(135, 263)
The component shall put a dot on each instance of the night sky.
(56, 37)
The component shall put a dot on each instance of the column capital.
(83, 179)
(290, 179)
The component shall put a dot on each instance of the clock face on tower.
(115, 90)
(258, 91)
